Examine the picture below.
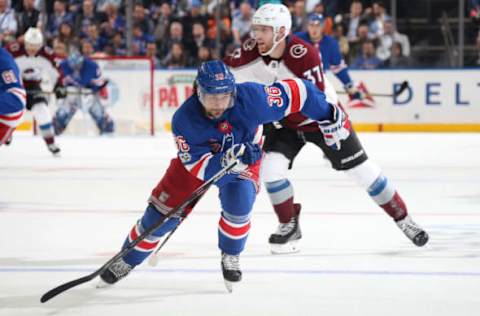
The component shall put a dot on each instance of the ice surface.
(62, 218)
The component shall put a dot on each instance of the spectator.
(204, 54)
(397, 59)
(478, 49)
(8, 23)
(193, 16)
(60, 49)
(378, 18)
(176, 58)
(140, 40)
(199, 39)
(59, 16)
(93, 36)
(339, 35)
(87, 48)
(87, 17)
(241, 22)
(368, 59)
(175, 35)
(28, 17)
(102, 5)
(66, 35)
(115, 22)
(356, 46)
(352, 20)
(299, 20)
(386, 41)
(225, 29)
(117, 47)
(163, 21)
(151, 52)
(140, 19)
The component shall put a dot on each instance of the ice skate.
(118, 270)
(286, 238)
(413, 231)
(231, 270)
(54, 149)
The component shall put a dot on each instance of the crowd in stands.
(182, 33)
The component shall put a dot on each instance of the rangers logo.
(219, 76)
(298, 51)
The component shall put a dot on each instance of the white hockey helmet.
(33, 36)
(277, 16)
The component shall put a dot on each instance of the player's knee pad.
(151, 216)
(274, 167)
(365, 173)
(237, 198)
(63, 116)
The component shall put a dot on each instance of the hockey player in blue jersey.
(12, 96)
(330, 53)
(220, 122)
(83, 87)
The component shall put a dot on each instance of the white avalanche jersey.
(300, 60)
(44, 63)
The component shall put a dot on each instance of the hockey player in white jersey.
(274, 54)
(39, 73)
(83, 87)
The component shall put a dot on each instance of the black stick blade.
(62, 288)
(402, 88)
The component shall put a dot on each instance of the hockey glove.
(246, 153)
(336, 130)
(60, 92)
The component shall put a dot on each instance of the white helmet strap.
(275, 43)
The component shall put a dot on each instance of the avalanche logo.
(298, 51)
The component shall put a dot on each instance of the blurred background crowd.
(183, 33)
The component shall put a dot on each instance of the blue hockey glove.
(336, 130)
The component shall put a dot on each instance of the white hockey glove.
(336, 130)
(246, 153)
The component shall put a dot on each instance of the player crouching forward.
(83, 87)
(219, 123)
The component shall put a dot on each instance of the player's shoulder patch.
(249, 44)
(298, 50)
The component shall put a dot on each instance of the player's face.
(216, 104)
(264, 36)
(32, 49)
(315, 30)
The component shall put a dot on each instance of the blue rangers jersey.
(12, 94)
(331, 56)
(202, 141)
(89, 76)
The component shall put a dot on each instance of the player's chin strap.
(275, 44)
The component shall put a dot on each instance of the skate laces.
(285, 228)
(231, 262)
(409, 227)
(120, 268)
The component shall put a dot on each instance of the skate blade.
(229, 286)
(282, 249)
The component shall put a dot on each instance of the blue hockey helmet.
(75, 60)
(214, 78)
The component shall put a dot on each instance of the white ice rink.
(62, 218)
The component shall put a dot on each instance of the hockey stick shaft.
(195, 195)
(153, 260)
(403, 86)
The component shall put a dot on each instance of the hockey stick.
(195, 195)
(155, 256)
(403, 86)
